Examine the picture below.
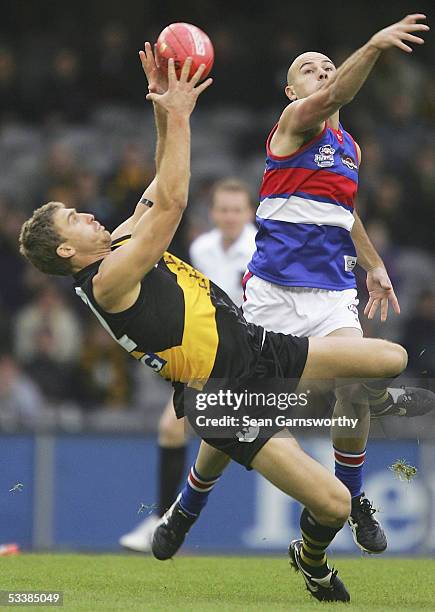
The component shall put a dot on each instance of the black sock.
(171, 474)
(379, 398)
(316, 539)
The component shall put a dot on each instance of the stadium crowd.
(74, 127)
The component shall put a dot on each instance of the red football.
(183, 40)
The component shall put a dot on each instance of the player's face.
(309, 72)
(231, 211)
(81, 231)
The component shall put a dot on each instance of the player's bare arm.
(117, 284)
(157, 83)
(379, 286)
(318, 90)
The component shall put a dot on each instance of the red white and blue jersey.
(305, 214)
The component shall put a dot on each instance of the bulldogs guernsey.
(305, 214)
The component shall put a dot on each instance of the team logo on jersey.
(325, 157)
(348, 161)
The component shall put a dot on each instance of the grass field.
(118, 582)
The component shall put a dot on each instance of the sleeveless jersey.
(182, 325)
(305, 214)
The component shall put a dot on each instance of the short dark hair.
(39, 240)
(231, 184)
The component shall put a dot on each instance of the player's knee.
(343, 507)
(395, 358)
(337, 508)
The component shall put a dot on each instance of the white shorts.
(301, 311)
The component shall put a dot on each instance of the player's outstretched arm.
(117, 284)
(157, 83)
(307, 113)
(379, 285)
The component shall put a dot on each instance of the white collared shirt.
(225, 267)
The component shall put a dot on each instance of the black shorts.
(278, 370)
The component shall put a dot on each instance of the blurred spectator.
(419, 336)
(56, 175)
(88, 196)
(373, 165)
(10, 95)
(223, 253)
(284, 50)
(66, 100)
(12, 289)
(232, 67)
(20, 399)
(397, 73)
(53, 376)
(103, 377)
(47, 314)
(5, 330)
(198, 210)
(400, 133)
(427, 100)
(422, 183)
(386, 203)
(114, 64)
(128, 182)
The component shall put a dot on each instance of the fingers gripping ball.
(183, 40)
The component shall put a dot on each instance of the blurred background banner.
(75, 127)
(82, 493)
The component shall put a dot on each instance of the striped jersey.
(182, 325)
(305, 214)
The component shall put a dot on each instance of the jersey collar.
(84, 272)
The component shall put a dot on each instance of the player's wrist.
(374, 46)
(159, 110)
(179, 115)
(378, 266)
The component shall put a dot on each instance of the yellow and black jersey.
(182, 325)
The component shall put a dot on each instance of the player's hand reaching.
(398, 34)
(182, 93)
(381, 293)
(156, 77)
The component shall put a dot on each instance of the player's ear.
(290, 93)
(65, 250)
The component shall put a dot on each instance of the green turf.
(124, 582)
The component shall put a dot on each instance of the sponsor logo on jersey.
(248, 434)
(349, 262)
(348, 161)
(325, 157)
